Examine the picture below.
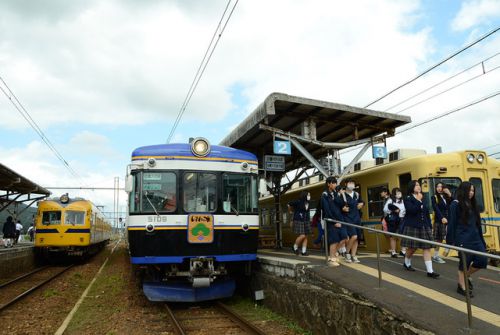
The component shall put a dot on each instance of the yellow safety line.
(459, 305)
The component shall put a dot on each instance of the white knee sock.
(304, 250)
(428, 266)
(295, 247)
(407, 261)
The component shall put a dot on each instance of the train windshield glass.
(495, 183)
(51, 218)
(158, 192)
(239, 193)
(74, 217)
(199, 192)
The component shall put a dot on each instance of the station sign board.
(379, 152)
(282, 147)
(274, 163)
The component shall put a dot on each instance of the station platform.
(431, 304)
(17, 259)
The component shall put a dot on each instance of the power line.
(443, 81)
(492, 95)
(496, 153)
(435, 66)
(201, 68)
(26, 115)
(447, 90)
(490, 146)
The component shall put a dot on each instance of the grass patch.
(50, 293)
(245, 306)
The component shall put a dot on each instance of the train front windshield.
(193, 191)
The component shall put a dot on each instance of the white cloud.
(88, 142)
(476, 12)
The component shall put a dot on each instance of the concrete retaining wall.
(323, 307)
(17, 260)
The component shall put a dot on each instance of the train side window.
(134, 200)
(375, 202)
(495, 186)
(239, 193)
(478, 190)
(404, 180)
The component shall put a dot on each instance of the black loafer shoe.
(394, 255)
(295, 251)
(432, 275)
(461, 291)
(409, 268)
(304, 254)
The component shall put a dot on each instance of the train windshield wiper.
(154, 208)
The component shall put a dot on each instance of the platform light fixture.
(200, 147)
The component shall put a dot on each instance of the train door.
(479, 179)
(404, 180)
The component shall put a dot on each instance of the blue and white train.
(193, 220)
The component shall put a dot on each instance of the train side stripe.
(180, 259)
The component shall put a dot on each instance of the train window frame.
(253, 206)
(215, 191)
(67, 214)
(370, 202)
(159, 205)
(479, 200)
(50, 221)
(135, 198)
(496, 200)
(432, 181)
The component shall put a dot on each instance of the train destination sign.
(274, 163)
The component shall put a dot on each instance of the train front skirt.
(185, 292)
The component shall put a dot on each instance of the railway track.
(215, 318)
(22, 286)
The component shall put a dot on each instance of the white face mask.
(398, 195)
(350, 187)
(308, 197)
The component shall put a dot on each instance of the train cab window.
(74, 217)
(375, 202)
(159, 192)
(200, 192)
(51, 218)
(478, 190)
(495, 186)
(239, 193)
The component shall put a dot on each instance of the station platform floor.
(432, 304)
(16, 248)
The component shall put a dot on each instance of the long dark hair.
(467, 206)
(438, 198)
(411, 186)
(393, 194)
(303, 196)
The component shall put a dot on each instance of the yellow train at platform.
(70, 226)
(398, 170)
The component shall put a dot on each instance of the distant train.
(193, 220)
(401, 167)
(69, 226)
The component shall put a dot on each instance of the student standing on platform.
(464, 230)
(417, 223)
(440, 204)
(335, 232)
(301, 221)
(9, 232)
(351, 203)
(394, 210)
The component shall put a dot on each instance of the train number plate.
(200, 228)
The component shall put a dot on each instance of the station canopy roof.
(12, 182)
(334, 123)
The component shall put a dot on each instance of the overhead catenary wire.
(26, 115)
(435, 66)
(442, 82)
(203, 64)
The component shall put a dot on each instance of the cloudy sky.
(101, 78)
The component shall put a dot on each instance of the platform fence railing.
(461, 251)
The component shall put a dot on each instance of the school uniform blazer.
(300, 213)
(440, 208)
(417, 213)
(353, 215)
(458, 232)
(329, 207)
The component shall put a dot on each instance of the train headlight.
(151, 162)
(480, 158)
(470, 158)
(200, 147)
(244, 166)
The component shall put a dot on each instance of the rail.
(460, 250)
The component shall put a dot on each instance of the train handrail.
(462, 251)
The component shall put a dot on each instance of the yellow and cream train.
(401, 167)
(70, 226)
